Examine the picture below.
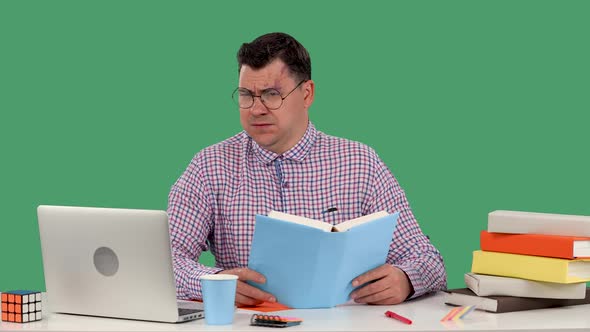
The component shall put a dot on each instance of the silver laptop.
(110, 263)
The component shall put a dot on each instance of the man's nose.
(258, 108)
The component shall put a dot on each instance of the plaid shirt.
(212, 206)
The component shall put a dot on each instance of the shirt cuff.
(415, 280)
(197, 291)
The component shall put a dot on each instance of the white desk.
(425, 312)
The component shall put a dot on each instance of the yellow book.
(563, 271)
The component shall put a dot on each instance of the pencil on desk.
(451, 314)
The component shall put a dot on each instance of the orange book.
(568, 247)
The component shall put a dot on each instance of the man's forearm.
(187, 273)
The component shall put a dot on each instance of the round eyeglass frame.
(236, 96)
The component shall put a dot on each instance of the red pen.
(402, 319)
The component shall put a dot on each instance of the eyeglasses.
(271, 98)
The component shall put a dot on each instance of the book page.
(581, 249)
(579, 268)
(301, 220)
(344, 226)
(472, 282)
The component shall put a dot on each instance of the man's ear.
(308, 93)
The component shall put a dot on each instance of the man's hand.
(386, 285)
(247, 294)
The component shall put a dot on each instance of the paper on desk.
(266, 307)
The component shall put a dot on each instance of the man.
(281, 162)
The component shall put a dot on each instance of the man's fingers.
(245, 300)
(393, 288)
(245, 273)
(248, 294)
(376, 297)
(379, 292)
(253, 292)
(388, 296)
(389, 300)
(374, 274)
(370, 289)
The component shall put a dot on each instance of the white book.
(488, 285)
(301, 220)
(538, 223)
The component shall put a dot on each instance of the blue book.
(311, 264)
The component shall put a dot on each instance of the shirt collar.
(297, 153)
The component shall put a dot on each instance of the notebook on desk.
(110, 263)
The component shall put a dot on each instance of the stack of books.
(528, 261)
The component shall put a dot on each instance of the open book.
(311, 264)
(341, 227)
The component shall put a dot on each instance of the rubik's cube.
(21, 306)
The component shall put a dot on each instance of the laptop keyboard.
(185, 311)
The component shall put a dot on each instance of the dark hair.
(266, 48)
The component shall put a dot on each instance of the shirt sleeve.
(191, 222)
(410, 249)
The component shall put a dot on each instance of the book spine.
(523, 266)
(528, 244)
(504, 286)
(538, 223)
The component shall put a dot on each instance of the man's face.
(280, 129)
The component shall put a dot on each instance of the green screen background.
(474, 106)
